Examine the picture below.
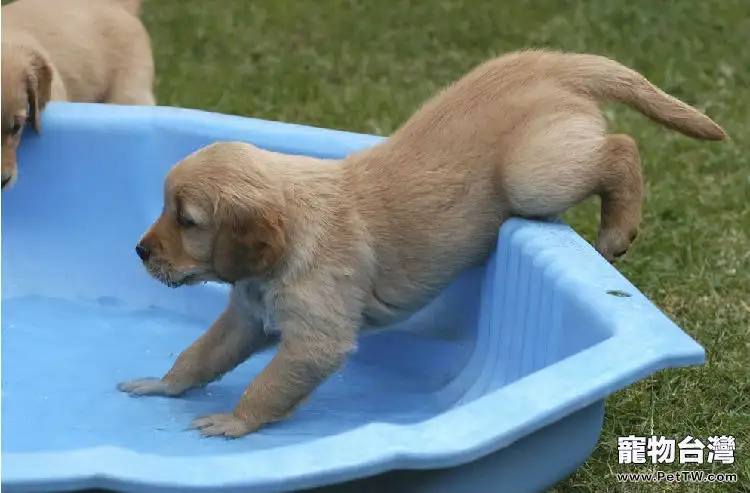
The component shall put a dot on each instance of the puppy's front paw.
(224, 424)
(150, 386)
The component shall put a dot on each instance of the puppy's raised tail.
(132, 6)
(605, 79)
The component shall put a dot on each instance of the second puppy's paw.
(150, 386)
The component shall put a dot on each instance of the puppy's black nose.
(143, 251)
(5, 181)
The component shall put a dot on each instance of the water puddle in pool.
(62, 360)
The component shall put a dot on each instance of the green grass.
(366, 65)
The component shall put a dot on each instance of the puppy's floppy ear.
(38, 88)
(249, 241)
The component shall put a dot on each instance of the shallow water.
(62, 359)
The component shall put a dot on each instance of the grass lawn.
(366, 65)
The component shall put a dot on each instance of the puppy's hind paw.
(226, 424)
(613, 244)
(149, 386)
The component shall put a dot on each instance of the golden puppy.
(95, 51)
(317, 250)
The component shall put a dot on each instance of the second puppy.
(95, 51)
(318, 250)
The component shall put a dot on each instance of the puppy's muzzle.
(143, 251)
(5, 181)
(159, 269)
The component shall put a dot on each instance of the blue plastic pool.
(498, 385)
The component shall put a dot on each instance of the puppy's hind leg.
(565, 159)
(621, 192)
(555, 165)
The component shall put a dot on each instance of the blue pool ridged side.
(497, 385)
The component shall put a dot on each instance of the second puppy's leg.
(231, 340)
(132, 96)
(134, 85)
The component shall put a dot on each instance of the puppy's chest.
(254, 299)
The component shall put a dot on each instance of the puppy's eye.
(16, 128)
(185, 222)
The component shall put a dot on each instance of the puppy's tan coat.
(318, 250)
(95, 51)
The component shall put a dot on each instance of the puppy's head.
(223, 218)
(26, 89)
